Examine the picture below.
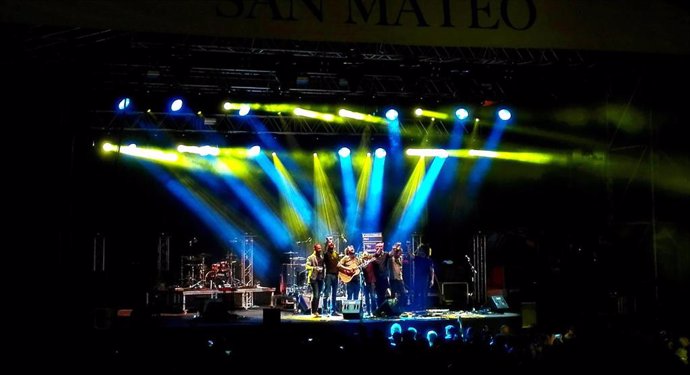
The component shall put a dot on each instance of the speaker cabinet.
(455, 294)
(303, 304)
(498, 303)
(352, 309)
(389, 308)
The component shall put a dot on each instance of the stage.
(230, 296)
(217, 316)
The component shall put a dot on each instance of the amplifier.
(352, 309)
(455, 294)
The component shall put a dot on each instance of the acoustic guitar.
(346, 275)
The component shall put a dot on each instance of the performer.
(314, 267)
(396, 275)
(331, 259)
(370, 288)
(348, 267)
(423, 276)
(381, 272)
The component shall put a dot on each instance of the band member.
(381, 272)
(370, 288)
(396, 274)
(314, 267)
(349, 265)
(423, 276)
(331, 259)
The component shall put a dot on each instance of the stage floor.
(437, 318)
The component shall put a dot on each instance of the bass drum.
(301, 279)
(216, 279)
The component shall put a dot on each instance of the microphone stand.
(474, 273)
(361, 294)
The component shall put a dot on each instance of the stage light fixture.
(254, 151)
(176, 105)
(504, 114)
(123, 104)
(244, 109)
(462, 113)
(392, 114)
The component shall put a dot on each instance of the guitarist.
(349, 266)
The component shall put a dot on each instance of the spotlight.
(380, 153)
(392, 114)
(123, 104)
(437, 152)
(253, 151)
(176, 105)
(109, 147)
(244, 109)
(344, 152)
(462, 114)
(504, 114)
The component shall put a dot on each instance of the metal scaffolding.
(152, 122)
(478, 266)
(163, 259)
(248, 270)
(98, 259)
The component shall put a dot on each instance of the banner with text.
(602, 25)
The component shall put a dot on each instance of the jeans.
(316, 288)
(332, 289)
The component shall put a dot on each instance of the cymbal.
(299, 258)
(194, 258)
(290, 252)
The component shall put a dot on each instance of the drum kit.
(294, 272)
(196, 274)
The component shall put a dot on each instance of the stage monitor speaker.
(388, 308)
(498, 303)
(352, 309)
(303, 305)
